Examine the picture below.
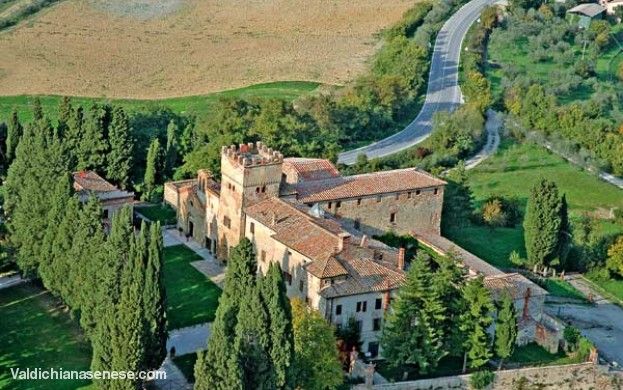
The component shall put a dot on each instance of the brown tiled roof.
(296, 229)
(308, 169)
(515, 284)
(327, 268)
(343, 187)
(89, 182)
(365, 274)
(182, 183)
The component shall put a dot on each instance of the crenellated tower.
(249, 172)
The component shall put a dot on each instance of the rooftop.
(89, 182)
(343, 187)
(589, 9)
(308, 169)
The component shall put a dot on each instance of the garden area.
(561, 288)
(511, 173)
(38, 333)
(162, 213)
(192, 298)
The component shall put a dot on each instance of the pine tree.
(65, 113)
(14, 133)
(37, 110)
(279, 323)
(542, 223)
(154, 299)
(119, 159)
(254, 368)
(475, 321)
(151, 169)
(217, 367)
(505, 329)
(414, 326)
(449, 281)
(92, 148)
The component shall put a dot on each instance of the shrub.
(571, 336)
(481, 379)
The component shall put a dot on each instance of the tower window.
(252, 227)
(227, 222)
(357, 224)
(338, 310)
(378, 198)
(392, 217)
(263, 189)
(436, 191)
(257, 190)
(359, 202)
(329, 205)
(417, 192)
(338, 204)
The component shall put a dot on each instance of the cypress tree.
(151, 169)
(73, 136)
(217, 368)
(39, 164)
(475, 321)
(172, 147)
(37, 110)
(119, 159)
(564, 234)
(92, 148)
(154, 299)
(14, 133)
(449, 280)
(65, 113)
(254, 368)
(542, 223)
(505, 329)
(281, 343)
(414, 325)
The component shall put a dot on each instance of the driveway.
(443, 93)
(601, 323)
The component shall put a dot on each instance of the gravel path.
(492, 126)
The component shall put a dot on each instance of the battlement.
(251, 154)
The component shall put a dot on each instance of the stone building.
(89, 183)
(319, 225)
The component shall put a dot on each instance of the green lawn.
(158, 212)
(611, 288)
(192, 298)
(37, 333)
(535, 355)
(186, 364)
(562, 288)
(512, 172)
(289, 90)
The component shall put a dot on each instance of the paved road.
(493, 124)
(443, 92)
(601, 323)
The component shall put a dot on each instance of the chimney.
(364, 241)
(401, 259)
(343, 241)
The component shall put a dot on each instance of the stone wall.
(372, 215)
(585, 376)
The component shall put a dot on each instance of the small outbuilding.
(584, 14)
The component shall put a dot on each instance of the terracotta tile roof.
(308, 169)
(365, 274)
(515, 284)
(328, 268)
(313, 238)
(89, 182)
(367, 184)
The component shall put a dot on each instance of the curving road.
(443, 92)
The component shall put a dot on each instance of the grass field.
(512, 172)
(186, 364)
(447, 366)
(165, 214)
(562, 288)
(192, 298)
(170, 48)
(610, 288)
(37, 333)
(288, 90)
(535, 355)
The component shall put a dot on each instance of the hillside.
(149, 49)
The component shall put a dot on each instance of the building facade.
(319, 226)
(111, 198)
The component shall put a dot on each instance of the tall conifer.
(543, 223)
(151, 169)
(119, 159)
(92, 149)
(14, 133)
(154, 300)
(505, 329)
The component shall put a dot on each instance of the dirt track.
(154, 49)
